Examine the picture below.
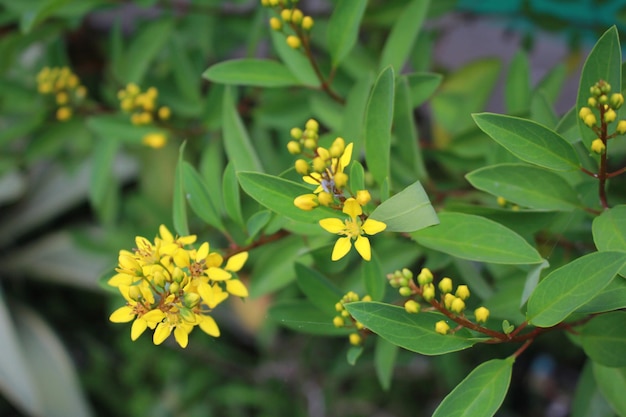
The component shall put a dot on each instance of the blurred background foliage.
(73, 193)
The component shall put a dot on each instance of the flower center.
(353, 229)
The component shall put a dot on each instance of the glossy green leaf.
(252, 72)
(236, 140)
(343, 28)
(517, 87)
(378, 120)
(612, 297)
(481, 393)
(374, 278)
(232, 199)
(407, 211)
(385, 354)
(303, 317)
(542, 112)
(199, 197)
(571, 286)
(295, 60)
(354, 113)
(603, 63)
(612, 385)
(144, 47)
(257, 222)
(529, 141)
(526, 185)
(604, 339)
(403, 34)
(277, 194)
(320, 291)
(588, 401)
(478, 239)
(414, 332)
(609, 231)
(179, 206)
(422, 85)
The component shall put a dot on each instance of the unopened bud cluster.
(143, 109)
(343, 318)
(66, 88)
(289, 16)
(449, 299)
(601, 109)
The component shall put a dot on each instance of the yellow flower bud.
(341, 179)
(44, 88)
(442, 327)
(338, 321)
(597, 146)
(127, 104)
(616, 100)
(355, 339)
(359, 325)
(592, 102)
(584, 111)
(273, 2)
(325, 198)
(145, 118)
(310, 143)
(62, 98)
(463, 292)
(345, 314)
(481, 314)
(164, 113)
(366, 298)
(363, 197)
(134, 293)
(448, 298)
(335, 151)
(412, 306)
(296, 16)
(319, 165)
(621, 127)
(590, 120)
(445, 285)
(265, 3)
(603, 99)
(610, 116)
(294, 147)
(323, 153)
(275, 23)
(81, 91)
(296, 133)
(312, 124)
(457, 305)
(405, 291)
(285, 14)
(191, 299)
(424, 277)
(154, 140)
(428, 292)
(174, 287)
(132, 89)
(501, 201)
(294, 41)
(64, 114)
(302, 167)
(307, 22)
(306, 202)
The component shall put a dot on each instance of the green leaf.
(612, 297)
(230, 190)
(343, 29)
(414, 332)
(552, 82)
(118, 127)
(478, 239)
(236, 140)
(357, 176)
(407, 142)
(199, 198)
(303, 317)
(422, 85)
(603, 63)
(257, 222)
(588, 401)
(295, 60)
(179, 207)
(407, 211)
(612, 385)
(354, 352)
(252, 72)
(378, 120)
(277, 194)
(571, 286)
(526, 185)
(609, 231)
(385, 355)
(529, 141)
(517, 87)
(102, 172)
(321, 292)
(40, 12)
(354, 113)
(374, 278)
(604, 339)
(481, 393)
(403, 34)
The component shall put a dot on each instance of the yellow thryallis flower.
(352, 228)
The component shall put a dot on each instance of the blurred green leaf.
(407, 211)
(481, 393)
(199, 197)
(257, 222)
(385, 354)
(354, 112)
(422, 85)
(519, 183)
(612, 385)
(517, 87)
(374, 278)
(320, 291)
(529, 141)
(253, 72)
(301, 316)
(571, 286)
(179, 207)
(232, 198)
(41, 10)
(354, 353)
(343, 28)
(588, 401)
(378, 120)
(295, 60)
(552, 82)
(414, 332)
(236, 140)
(604, 339)
(102, 179)
(478, 239)
(609, 231)
(407, 142)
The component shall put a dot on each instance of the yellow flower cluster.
(288, 15)
(66, 88)
(604, 104)
(144, 111)
(169, 287)
(425, 289)
(325, 168)
(344, 315)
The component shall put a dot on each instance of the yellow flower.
(353, 229)
(154, 140)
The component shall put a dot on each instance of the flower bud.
(341, 179)
(442, 327)
(590, 120)
(345, 314)
(595, 90)
(604, 87)
(310, 143)
(597, 146)
(285, 14)
(294, 147)
(296, 16)
(457, 305)
(306, 202)
(428, 292)
(616, 100)
(621, 127)
(307, 22)
(481, 314)
(405, 291)
(325, 198)
(296, 133)
(603, 99)
(424, 277)
(363, 197)
(463, 292)
(412, 306)
(445, 285)
(191, 299)
(592, 102)
(610, 116)
(584, 111)
(338, 321)
(366, 298)
(302, 167)
(339, 306)
(319, 165)
(294, 42)
(501, 201)
(64, 113)
(406, 273)
(355, 339)
(174, 287)
(134, 293)
(275, 23)
(448, 298)
(312, 124)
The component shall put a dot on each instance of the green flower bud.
(405, 291)
(621, 127)
(616, 100)
(406, 273)
(187, 315)
(191, 299)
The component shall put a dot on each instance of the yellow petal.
(313, 178)
(166, 235)
(352, 208)
(211, 295)
(371, 226)
(138, 327)
(122, 315)
(214, 259)
(332, 225)
(208, 326)
(203, 252)
(236, 288)
(120, 279)
(187, 240)
(346, 157)
(181, 336)
(161, 333)
(181, 258)
(235, 262)
(218, 274)
(153, 316)
(342, 247)
(362, 246)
